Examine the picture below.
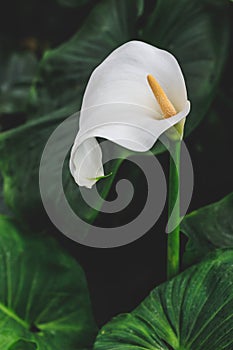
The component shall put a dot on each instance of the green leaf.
(17, 70)
(197, 33)
(208, 228)
(23, 345)
(44, 301)
(64, 71)
(72, 3)
(20, 169)
(193, 311)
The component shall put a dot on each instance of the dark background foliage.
(118, 278)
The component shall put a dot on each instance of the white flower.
(128, 100)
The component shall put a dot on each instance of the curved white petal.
(119, 105)
(131, 126)
(122, 77)
(86, 163)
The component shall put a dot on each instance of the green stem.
(173, 245)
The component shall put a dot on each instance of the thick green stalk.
(173, 245)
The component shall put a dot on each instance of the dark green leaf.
(64, 71)
(193, 311)
(17, 70)
(72, 3)
(62, 78)
(197, 33)
(44, 301)
(208, 228)
(3, 208)
(23, 345)
(20, 169)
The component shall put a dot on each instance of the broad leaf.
(197, 33)
(193, 311)
(61, 81)
(44, 301)
(22, 185)
(64, 72)
(3, 207)
(72, 3)
(17, 70)
(208, 228)
(23, 345)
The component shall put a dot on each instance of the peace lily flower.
(136, 94)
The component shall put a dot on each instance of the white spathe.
(119, 105)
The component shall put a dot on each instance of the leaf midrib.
(11, 314)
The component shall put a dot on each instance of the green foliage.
(17, 70)
(193, 311)
(23, 345)
(208, 228)
(72, 3)
(197, 33)
(64, 71)
(44, 301)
